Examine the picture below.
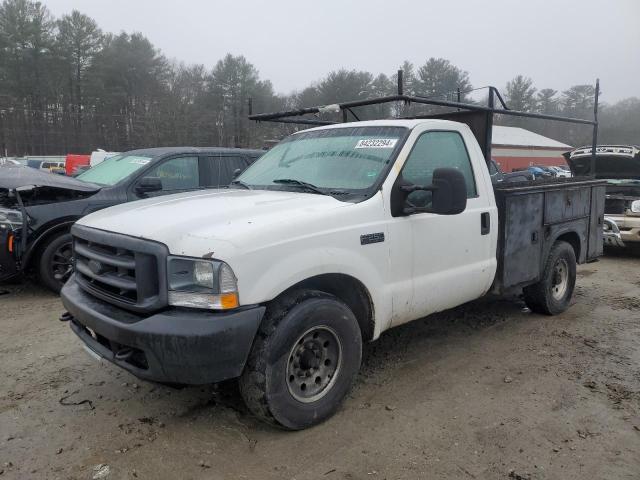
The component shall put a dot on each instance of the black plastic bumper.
(8, 264)
(175, 346)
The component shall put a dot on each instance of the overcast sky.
(557, 43)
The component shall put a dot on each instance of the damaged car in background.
(620, 166)
(37, 208)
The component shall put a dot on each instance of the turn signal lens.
(226, 301)
(229, 300)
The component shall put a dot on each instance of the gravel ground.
(488, 390)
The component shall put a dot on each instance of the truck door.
(453, 259)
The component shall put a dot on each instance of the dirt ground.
(488, 391)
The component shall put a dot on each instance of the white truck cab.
(333, 236)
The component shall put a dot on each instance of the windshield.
(348, 159)
(114, 169)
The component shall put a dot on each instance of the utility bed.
(533, 215)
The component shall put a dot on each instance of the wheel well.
(572, 239)
(348, 289)
(41, 242)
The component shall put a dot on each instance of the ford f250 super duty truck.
(335, 235)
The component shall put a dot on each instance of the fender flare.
(578, 242)
(64, 225)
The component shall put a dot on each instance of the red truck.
(73, 161)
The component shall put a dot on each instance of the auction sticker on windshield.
(139, 160)
(377, 143)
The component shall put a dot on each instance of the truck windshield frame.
(316, 157)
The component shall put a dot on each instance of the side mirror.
(148, 184)
(448, 194)
(236, 172)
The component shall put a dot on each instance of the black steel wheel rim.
(62, 262)
(314, 364)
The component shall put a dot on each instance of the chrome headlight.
(635, 206)
(200, 283)
(10, 218)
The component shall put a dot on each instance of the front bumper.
(8, 264)
(621, 229)
(173, 346)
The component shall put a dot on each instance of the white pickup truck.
(335, 235)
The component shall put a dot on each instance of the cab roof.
(407, 123)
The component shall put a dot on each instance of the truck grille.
(118, 269)
(107, 269)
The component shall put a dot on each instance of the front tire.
(303, 362)
(56, 262)
(552, 294)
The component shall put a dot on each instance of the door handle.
(485, 223)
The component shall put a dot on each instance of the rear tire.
(303, 362)
(56, 262)
(552, 294)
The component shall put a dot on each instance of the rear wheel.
(56, 262)
(303, 361)
(552, 294)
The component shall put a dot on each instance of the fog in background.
(118, 75)
(293, 43)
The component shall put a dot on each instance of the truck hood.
(609, 164)
(201, 222)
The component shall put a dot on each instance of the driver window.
(435, 150)
(177, 174)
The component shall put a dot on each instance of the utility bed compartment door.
(595, 222)
(522, 243)
(569, 204)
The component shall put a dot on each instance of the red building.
(517, 148)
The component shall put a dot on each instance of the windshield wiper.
(300, 183)
(241, 183)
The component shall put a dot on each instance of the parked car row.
(498, 176)
(70, 165)
(545, 171)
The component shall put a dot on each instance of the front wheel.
(303, 361)
(552, 294)
(56, 262)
